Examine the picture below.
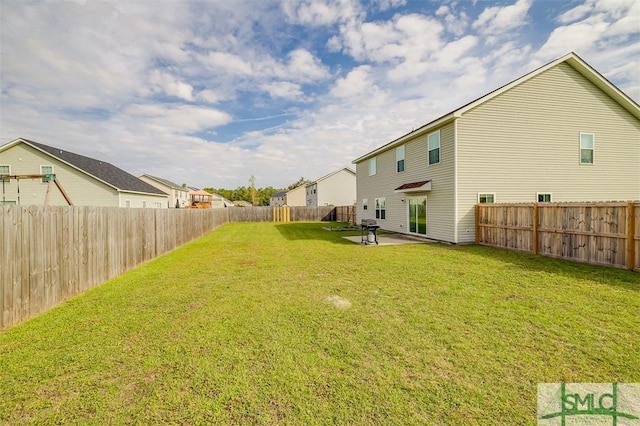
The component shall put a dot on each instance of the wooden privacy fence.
(48, 254)
(600, 233)
(52, 253)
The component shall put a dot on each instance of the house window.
(372, 166)
(144, 204)
(365, 203)
(381, 208)
(5, 170)
(434, 147)
(586, 148)
(158, 205)
(400, 159)
(544, 197)
(8, 203)
(486, 198)
(46, 170)
(127, 203)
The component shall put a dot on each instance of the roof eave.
(411, 135)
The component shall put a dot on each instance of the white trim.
(408, 214)
(43, 173)
(439, 148)
(455, 181)
(550, 194)
(486, 193)
(593, 148)
(376, 209)
(373, 161)
(403, 159)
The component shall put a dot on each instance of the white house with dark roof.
(561, 133)
(86, 181)
(338, 188)
(178, 195)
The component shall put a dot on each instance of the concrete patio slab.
(390, 240)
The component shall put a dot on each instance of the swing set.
(50, 178)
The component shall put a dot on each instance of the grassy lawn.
(291, 324)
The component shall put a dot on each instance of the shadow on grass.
(574, 270)
(314, 231)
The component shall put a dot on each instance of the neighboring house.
(278, 199)
(178, 195)
(87, 181)
(335, 189)
(219, 202)
(297, 196)
(560, 133)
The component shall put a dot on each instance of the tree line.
(253, 195)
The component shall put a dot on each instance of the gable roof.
(100, 170)
(572, 59)
(279, 194)
(165, 182)
(331, 174)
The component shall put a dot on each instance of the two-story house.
(86, 181)
(178, 195)
(335, 189)
(562, 132)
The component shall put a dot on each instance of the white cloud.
(170, 85)
(575, 13)
(320, 12)
(356, 83)
(229, 63)
(389, 4)
(497, 19)
(173, 118)
(284, 89)
(305, 67)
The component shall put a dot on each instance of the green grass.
(236, 328)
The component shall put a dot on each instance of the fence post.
(477, 223)
(631, 230)
(535, 228)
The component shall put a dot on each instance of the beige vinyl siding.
(297, 197)
(440, 200)
(82, 189)
(138, 200)
(181, 195)
(338, 189)
(527, 140)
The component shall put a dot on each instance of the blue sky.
(210, 93)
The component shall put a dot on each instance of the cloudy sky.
(211, 92)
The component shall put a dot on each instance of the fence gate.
(282, 214)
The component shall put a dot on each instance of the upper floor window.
(400, 159)
(586, 148)
(46, 170)
(544, 197)
(434, 147)
(372, 166)
(5, 169)
(486, 198)
(381, 208)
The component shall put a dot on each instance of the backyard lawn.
(291, 324)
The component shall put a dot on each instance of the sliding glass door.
(417, 215)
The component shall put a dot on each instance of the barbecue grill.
(369, 231)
